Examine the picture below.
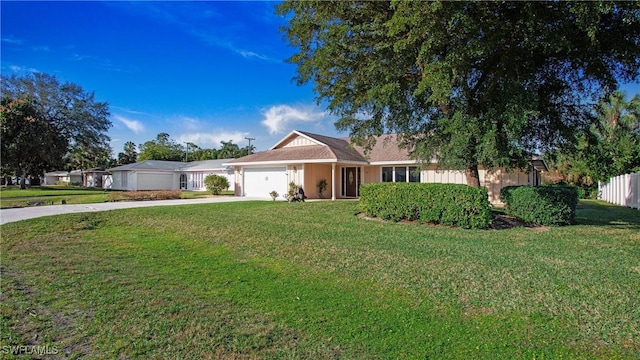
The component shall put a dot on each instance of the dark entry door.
(183, 181)
(351, 182)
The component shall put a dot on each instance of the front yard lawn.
(313, 280)
(13, 196)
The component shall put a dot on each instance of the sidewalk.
(13, 215)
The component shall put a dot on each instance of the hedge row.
(545, 205)
(145, 195)
(447, 204)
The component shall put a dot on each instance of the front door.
(183, 181)
(351, 182)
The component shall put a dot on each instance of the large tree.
(130, 154)
(74, 114)
(162, 148)
(464, 83)
(30, 145)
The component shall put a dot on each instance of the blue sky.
(200, 71)
(203, 72)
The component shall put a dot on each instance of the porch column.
(333, 181)
(242, 193)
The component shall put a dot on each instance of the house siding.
(299, 141)
(313, 174)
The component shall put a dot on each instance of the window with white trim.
(400, 174)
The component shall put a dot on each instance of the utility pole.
(249, 138)
(186, 156)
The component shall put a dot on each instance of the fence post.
(635, 190)
(623, 190)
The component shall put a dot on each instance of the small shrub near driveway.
(216, 183)
(145, 195)
(446, 204)
(544, 205)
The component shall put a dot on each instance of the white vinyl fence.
(621, 190)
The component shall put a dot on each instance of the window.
(414, 174)
(387, 174)
(401, 174)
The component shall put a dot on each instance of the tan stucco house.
(306, 158)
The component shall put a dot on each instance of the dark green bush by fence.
(545, 205)
(447, 204)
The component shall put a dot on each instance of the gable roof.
(319, 148)
(322, 148)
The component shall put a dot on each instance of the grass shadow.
(599, 213)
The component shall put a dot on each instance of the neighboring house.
(94, 177)
(167, 175)
(306, 158)
(73, 177)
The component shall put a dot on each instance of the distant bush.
(447, 204)
(216, 183)
(544, 205)
(145, 195)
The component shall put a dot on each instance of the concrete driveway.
(12, 215)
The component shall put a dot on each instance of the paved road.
(12, 215)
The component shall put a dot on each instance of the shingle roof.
(333, 149)
(300, 153)
(150, 165)
(341, 148)
(386, 148)
(205, 165)
(161, 165)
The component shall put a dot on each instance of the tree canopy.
(464, 83)
(162, 148)
(165, 148)
(130, 154)
(610, 147)
(30, 145)
(63, 109)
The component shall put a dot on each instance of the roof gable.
(296, 138)
(299, 146)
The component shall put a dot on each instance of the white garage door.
(259, 182)
(156, 181)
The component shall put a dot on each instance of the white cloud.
(133, 125)
(212, 139)
(21, 69)
(189, 123)
(248, 54)
(12, 40)
(277, 118)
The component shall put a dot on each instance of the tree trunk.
(23, 179)
(473, 177)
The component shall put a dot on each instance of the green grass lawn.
(313, 280)
(13, 196)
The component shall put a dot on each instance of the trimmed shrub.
(145, 195)
(544, 205)
(446, 204)
(216, 183)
